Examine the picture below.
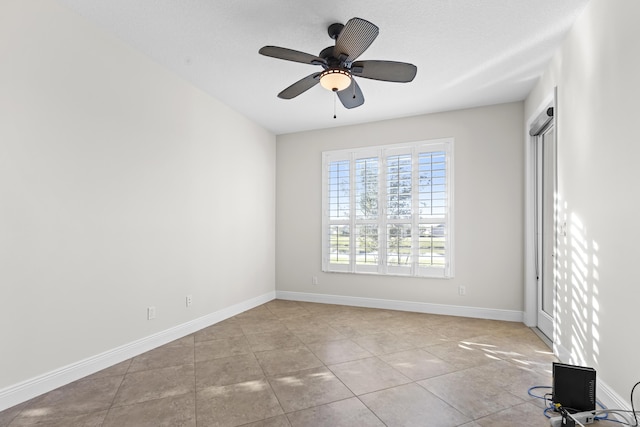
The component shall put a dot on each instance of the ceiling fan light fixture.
(335, 79)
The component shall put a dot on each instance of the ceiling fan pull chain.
(353, 84)
(335, 95)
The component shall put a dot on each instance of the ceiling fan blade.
(356, 36)
(352, 96)
(388, 71)
(291, 55)
(300, 86)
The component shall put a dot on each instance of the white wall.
(121, 187)
(488, 209)
(597, 75)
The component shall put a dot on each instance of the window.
(388, 209)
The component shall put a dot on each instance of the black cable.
(633, 409)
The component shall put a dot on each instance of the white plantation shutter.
(338, 197)
(389, 209)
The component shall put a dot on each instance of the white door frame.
(530, 282)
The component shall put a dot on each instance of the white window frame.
(382, 153)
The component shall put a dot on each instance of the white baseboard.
(609, 398)
(21, 392)
(605, 394)
(418, 307)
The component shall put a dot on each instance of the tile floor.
(292, 364)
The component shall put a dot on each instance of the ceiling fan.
(340, 66)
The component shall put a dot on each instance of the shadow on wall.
(577, 307)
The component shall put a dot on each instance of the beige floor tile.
(425, 320)
(308, 388)
(344, 413)
(168, 412)
(78, 398)
(339, 351)
(411, 405)
(288, 312)
(279, 421)
(186, 341)
(357, 328)
(163, 357)
(531, 351)
(258, 314)
(216, 349)
(156, 384)
(87, 420)
(225, 329)
(422, 318)
(515, 379)
(420, 337)
(461, 355)
(347, 312)
(503, 347)
(524, 349)
(283, 303)
(233, 361)
(273, 341)
(491, 344)
(395, 323)
(236, 404)
(263, 326)
(374, 314)
(470, 393)
(9, 414)
(228, 370)
(382, 343)
(327, 318)
(417, 364)
(367, 375)
(540, 403)
(119, 369)
(524, 414)
(321, 334)
(462, 330)
(303, 323)
(506, 328)
(318, 308)
(275, 362)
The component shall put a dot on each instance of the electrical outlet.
(189, 300)
(151, 313)
(462, 290)
(314, 280)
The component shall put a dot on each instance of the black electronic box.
(574, 387)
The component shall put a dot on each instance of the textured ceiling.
(468, 52)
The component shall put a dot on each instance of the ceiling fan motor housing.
(334, 30)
